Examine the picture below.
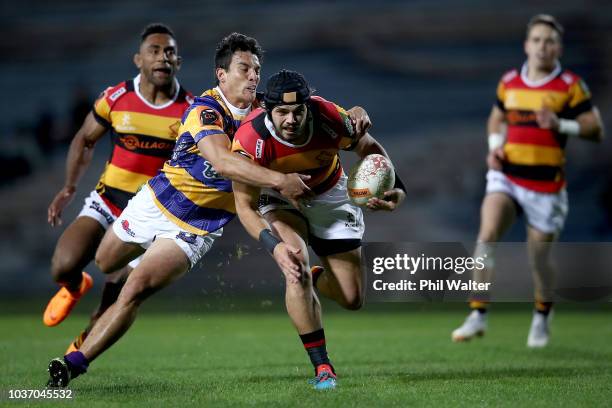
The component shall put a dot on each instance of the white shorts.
(96, 208)
(142, 222)
(330, 215)
(546, 212)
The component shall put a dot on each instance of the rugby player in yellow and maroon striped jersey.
(543, 106)
(142, 117)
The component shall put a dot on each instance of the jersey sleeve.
(500, 99)
(203, 121)
(348, 136)
(102, 108)
(579, 101)
(249, 144)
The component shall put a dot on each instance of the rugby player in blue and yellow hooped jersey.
(542, 106)
(177, 216)
(142, 116)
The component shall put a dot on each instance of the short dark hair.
(232, 43)
(545, 19)
(155, 28)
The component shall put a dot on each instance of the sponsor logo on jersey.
(126, 227)
(514, 117)
(115, 95)
(259, 148)
(174, 128)
(126, 123)
(325, 158)
(132, 143)
(209, 172)
(329, 130)
(208, 116)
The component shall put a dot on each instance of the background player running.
(542, 106)
(142, 116)
(298, 132)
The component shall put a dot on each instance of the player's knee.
(102, 262)
(63, 267)
(135, 292)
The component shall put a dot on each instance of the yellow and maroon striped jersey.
(143, 136)
(329, 130)
(535, 157)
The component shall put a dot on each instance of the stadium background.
(425, 71)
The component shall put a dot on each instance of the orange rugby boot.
(63, 302)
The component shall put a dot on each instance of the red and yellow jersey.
(142, 135)
(535, 157)
(329, 129)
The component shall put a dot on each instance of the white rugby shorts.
(330, 215)
(142, 222)
(546, 212)
(96, 208)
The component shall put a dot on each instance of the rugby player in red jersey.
(301, 132)
(542, 106)
(142, 116)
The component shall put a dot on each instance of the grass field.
(384, 358)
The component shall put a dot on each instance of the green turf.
(383, 359)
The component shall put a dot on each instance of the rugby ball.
(370, 177)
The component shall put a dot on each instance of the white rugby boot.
(539, 332)
(474, 325)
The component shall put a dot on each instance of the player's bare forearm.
(495, 123)
(246, 198)
(81, 150)
(591, 125)
(216, 149)
(368, 145)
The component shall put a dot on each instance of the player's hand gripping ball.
(370, 177)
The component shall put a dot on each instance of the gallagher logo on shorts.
(126, 227)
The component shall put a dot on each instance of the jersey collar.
(236, 112)
(534, 84)
(149, 104)
(272, 130)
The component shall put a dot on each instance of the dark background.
(426, 71)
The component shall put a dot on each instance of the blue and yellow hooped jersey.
(188, 190)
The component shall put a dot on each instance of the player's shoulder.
(326, 110)
(253, 127)
(509, 76)
(185, 96)
(322, 104)
(114, 93)
(569, 77)
(251, 137)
